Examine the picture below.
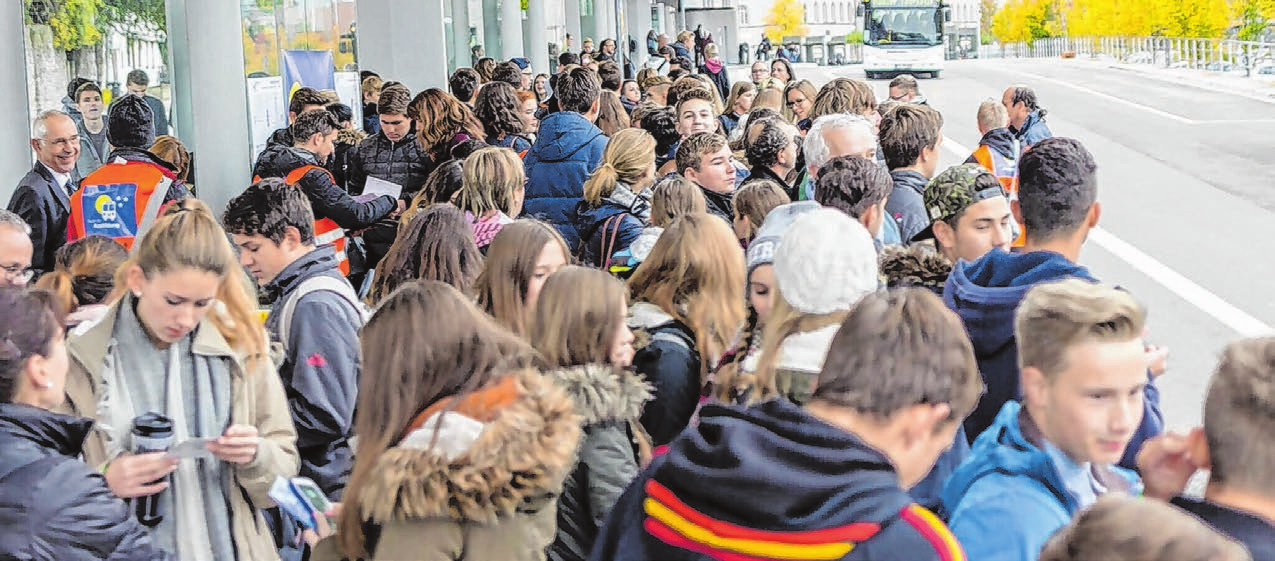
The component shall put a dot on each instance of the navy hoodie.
(770, 482)
(568, 149)
(986, 294)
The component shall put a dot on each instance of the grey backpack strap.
(151, 213)
(314, 284)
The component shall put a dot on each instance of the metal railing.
(1206, 54)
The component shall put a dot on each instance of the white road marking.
(1186, 289)
(1109, 97)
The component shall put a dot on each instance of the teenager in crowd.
(738, 104)
(498, 109)
(521, 258)
(799, 99)
(672, 196)
(752, 203)
(615, 204)
(492, 192)
(165, 347)
(824, 481)
(688, 301)
(438, 244)
(462, 446)
(84, 276)
(584, 345)
(442, 186)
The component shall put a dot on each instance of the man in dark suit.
(42, 198)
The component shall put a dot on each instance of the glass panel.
(99, 41)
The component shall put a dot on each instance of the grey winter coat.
(609, 402)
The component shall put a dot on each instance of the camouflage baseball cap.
(955, 190)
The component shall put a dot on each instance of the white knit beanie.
(762, 249)
(825, 263)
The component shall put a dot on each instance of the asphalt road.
(1187, 187)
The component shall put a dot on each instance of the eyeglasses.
(794, 103)
(18, 273)
(64, 142)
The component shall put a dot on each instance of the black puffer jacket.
(608, 402)
(328, 200)
(52, 505)
(403, 162)
(667, 356)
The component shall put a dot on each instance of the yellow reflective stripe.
(773, 550)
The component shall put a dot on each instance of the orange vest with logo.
(1006, 171)
(120, 200)
(325, 230)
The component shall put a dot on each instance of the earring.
(47, 385)
(137, 294)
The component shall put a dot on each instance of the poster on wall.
(267, 111)
(313, 69)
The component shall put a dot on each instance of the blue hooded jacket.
(986, 294)
(1009, 497)
(567, 150)
(1034, 129)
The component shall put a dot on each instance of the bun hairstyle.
(84, 272)
(627, 157)
(187, 236)
(33, 322)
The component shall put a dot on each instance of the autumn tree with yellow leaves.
(1028, 20)
(786, 18)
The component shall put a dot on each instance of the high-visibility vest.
(120, 200)
(1006, 171)
(325, 230)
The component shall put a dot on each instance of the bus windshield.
(904, 26)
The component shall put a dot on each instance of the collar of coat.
(603, 393)
(525, 448)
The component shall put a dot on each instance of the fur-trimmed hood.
(498, 451)
(603, 393)
(918, 265)
(350, 136)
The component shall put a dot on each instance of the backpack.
(607, 248)
(340, 287)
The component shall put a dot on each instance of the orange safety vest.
(1006, 171)
(120, 200)
(325, 230)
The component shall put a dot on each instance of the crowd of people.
(668, 318)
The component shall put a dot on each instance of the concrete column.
(210, 105)
(603, 14)
(460, 33)
(510, 29)
(573, 23)
(537, 42)
(15, 147)
(491, 28)
(395, 36)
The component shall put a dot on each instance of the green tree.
(126, 12)
(1252, 16)
(786, 18)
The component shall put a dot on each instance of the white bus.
(903, 36)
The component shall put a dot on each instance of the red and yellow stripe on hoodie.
(677, 524)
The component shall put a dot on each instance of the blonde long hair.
(627, 157)
(575, 317)
(188, 237)
(501, 289)
(695, 273)
(784, 322)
